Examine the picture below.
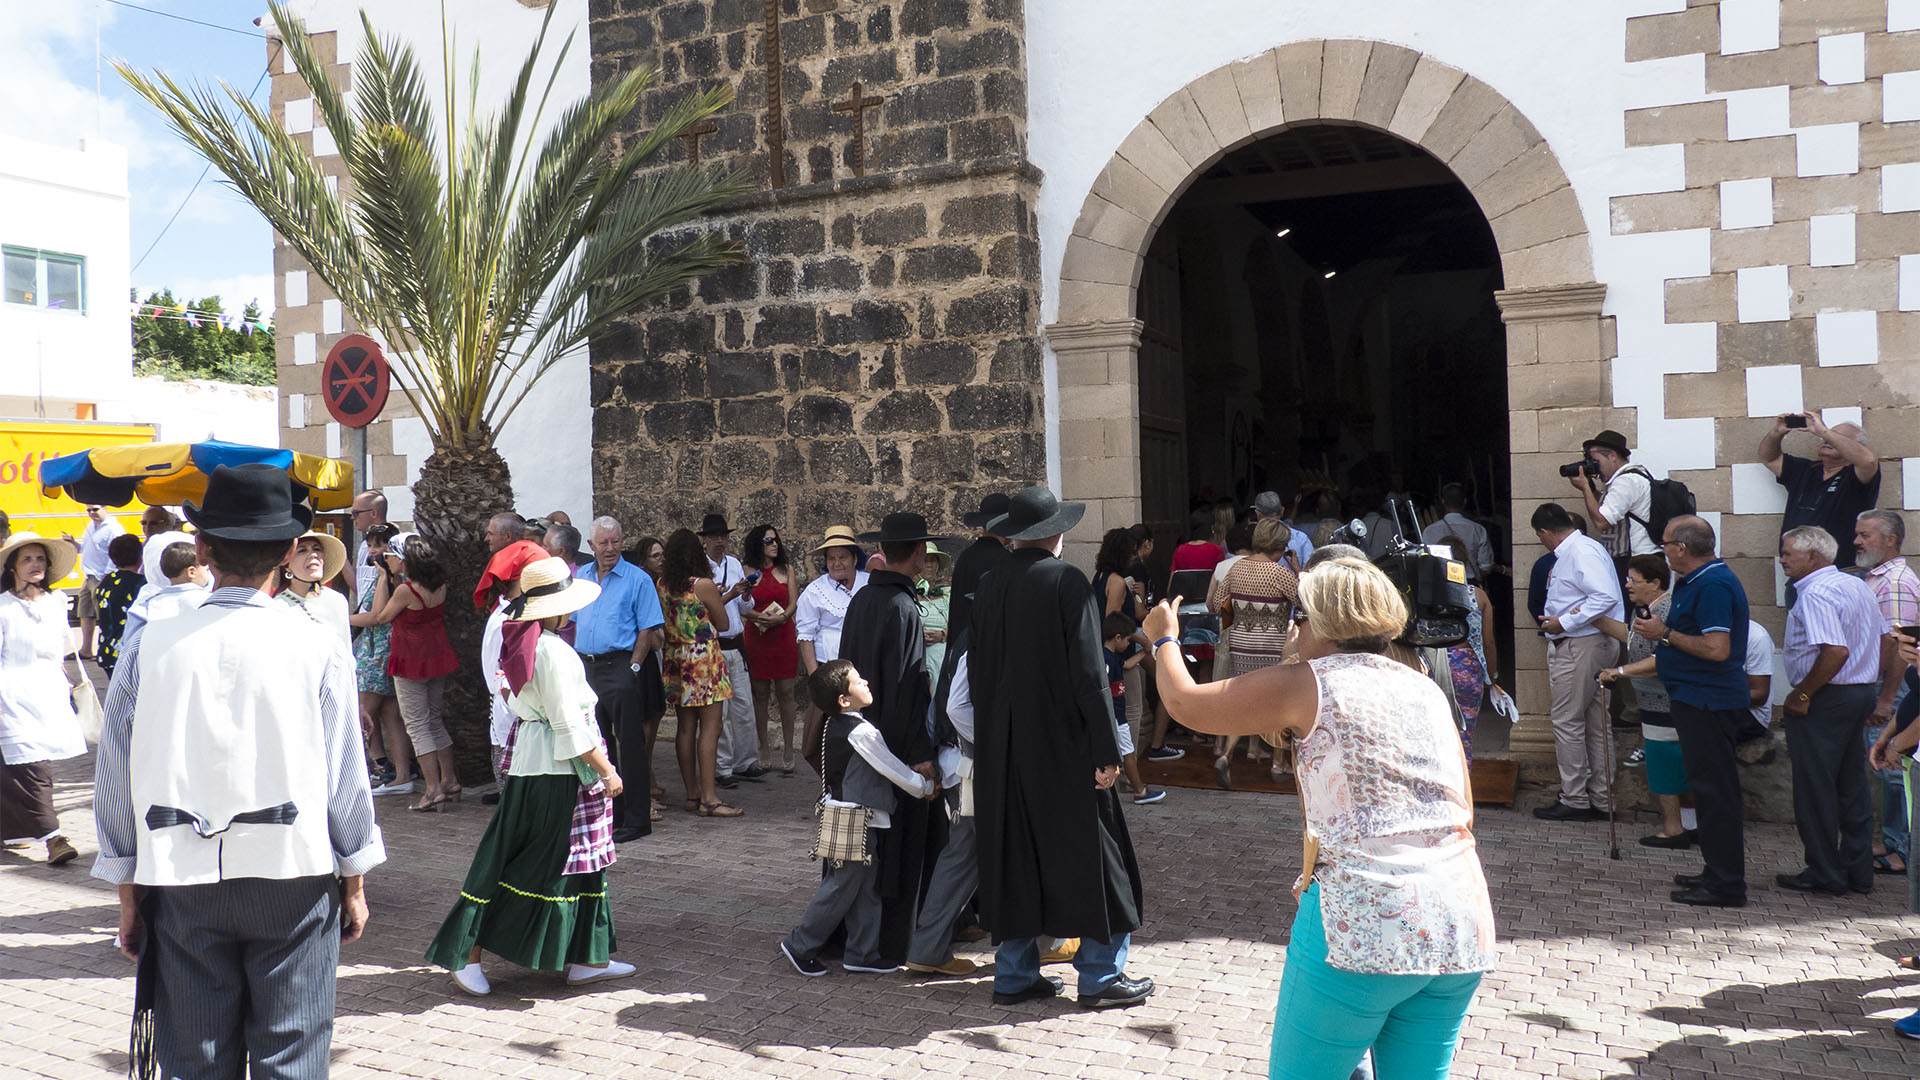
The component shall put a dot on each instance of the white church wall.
(1097, 67)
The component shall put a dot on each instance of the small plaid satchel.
(842, 836)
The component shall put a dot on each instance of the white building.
(64, 343)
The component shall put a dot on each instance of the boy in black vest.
(856, 767)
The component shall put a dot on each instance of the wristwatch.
(635, 668)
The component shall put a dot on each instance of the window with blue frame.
(43, 279)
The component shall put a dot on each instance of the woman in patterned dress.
(1394, 925)
(1256, 598)
(694, 671)
(116, 594)
(380, 719)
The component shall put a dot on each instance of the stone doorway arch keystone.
(1558, 344)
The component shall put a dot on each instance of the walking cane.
(1613, 787)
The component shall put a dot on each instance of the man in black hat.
(1055, 856)
(886, 640)
(239, 862)
(1621, 500)
(738, 756)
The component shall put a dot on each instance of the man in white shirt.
(369, 509)
(94, 565)
(738, 757)
(1628, 501)
(1582, 588)
(1455, 522)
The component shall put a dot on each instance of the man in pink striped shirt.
(1877, 538)
(1837, 648)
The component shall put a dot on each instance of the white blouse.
(36, 699)
(821, 614)
(558, 705)
(328, 607)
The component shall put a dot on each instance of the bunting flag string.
(195, 317)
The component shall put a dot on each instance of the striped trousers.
(245, 974)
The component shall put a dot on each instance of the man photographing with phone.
(1830, 490)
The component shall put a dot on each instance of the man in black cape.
(1055, 857)
(886, 641)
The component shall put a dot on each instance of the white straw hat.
(548, 588)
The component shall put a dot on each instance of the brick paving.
(1601, 976)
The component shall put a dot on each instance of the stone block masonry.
(879, 348)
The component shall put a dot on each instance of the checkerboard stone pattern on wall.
(1801, 159)
(878, 349)
(309, 319)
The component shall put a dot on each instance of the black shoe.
(1045, 986)
(725, 782)
(1684, 840)
(1690, 881)
(627, 835)
(1800, 882)
(491, 798)
(1705, 897)
(1119, 994)
(752, 772)
(809, 966)
(1560, 811)
(1165, 753)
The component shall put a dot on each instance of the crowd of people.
(973, 720)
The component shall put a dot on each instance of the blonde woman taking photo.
(1394, 925)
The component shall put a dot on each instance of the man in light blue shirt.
(1267, 505)
(613, 636)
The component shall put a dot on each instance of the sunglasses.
(771, 540)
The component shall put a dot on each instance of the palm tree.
(481, 258)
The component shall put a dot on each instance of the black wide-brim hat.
(991, 507)
(903, 527)
(715, 525)
(250, 502)
(1036, 514)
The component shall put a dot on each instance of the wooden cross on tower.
(691, 137)
(858, 105)
(776, 123)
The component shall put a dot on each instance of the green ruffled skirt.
(516, 903)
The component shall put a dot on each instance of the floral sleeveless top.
(1385, 786)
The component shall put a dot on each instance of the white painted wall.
(548, 442)
(193, 410)
(1097, 67)
(71, 199)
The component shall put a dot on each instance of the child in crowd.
(1124, 654)
(116, 594)
(856, 767)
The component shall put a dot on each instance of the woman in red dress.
(412, 595)
(772, 647)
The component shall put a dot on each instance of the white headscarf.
(142, 610)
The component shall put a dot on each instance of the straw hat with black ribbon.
(548, 588)
(333, 555)
(838, 536)
(61, 554)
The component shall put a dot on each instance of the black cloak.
(884, 638)
(1055, 856)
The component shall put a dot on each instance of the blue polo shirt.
(1707, 600)
(628, 603)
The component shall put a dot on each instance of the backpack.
(1670, 500)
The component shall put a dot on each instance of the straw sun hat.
(333, 554)
(61, 554)
(548, 588)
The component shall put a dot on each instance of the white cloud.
(44, 53)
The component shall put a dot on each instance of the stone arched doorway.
(1558, 344)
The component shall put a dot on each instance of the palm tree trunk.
(457, 492)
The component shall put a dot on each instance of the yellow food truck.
(24, 444)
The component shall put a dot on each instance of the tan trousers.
(1580, 718)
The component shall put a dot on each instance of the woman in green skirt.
(537, 891)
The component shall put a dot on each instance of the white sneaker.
(473, 980)
(581, 973)
(405, 788)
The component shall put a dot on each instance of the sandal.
(719, 809)
(693, 806)
(1882, 866)
(1222, 774)
(1911, 963)
(428, 804)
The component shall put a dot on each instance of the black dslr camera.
(1585, 465)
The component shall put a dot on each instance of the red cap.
(506, 565)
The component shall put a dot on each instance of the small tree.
(482, 259)
(197, 339)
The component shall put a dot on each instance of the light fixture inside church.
(1329, 273)
(1280, 235)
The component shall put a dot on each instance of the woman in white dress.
(317, 559)
(37, 723)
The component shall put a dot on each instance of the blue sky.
(47, 79)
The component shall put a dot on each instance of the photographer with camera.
(1581, 590)
(1831, 491)
(1625, 506)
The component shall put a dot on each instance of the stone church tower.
(879, 348)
